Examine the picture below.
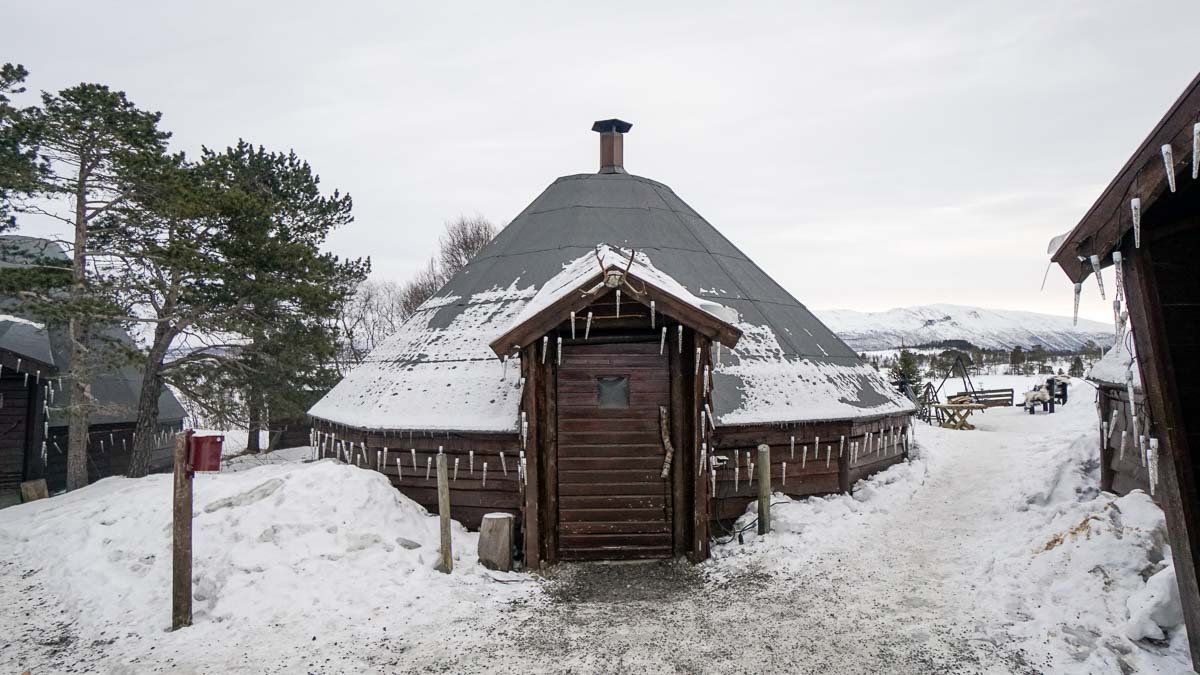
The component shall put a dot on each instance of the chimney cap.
(605, 126)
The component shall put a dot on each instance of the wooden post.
(181, 537)
(446, 560)
(764, 488)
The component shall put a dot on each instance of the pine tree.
(1076, 367)
(276, 219)
(907, 369)
(94, 143)
(19, 166)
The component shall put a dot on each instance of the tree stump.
(32, 490)
(495, 541)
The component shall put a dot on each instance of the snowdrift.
(301, 547)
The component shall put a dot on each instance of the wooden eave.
(1108, 221)
(21, 363)
(577, 299)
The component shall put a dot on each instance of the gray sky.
(867, 155)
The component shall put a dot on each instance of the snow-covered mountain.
(987, 328)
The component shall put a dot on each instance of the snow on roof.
(588, 265)
(438, 372)
(435, 376)
(1115, 364)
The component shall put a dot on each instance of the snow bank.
(317, 549)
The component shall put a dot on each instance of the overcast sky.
(867, 155)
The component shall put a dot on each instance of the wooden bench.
(989, 398)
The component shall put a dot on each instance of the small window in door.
(612, 391)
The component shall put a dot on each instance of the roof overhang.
(586, 289)
(1144, 176)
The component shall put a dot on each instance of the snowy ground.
(992, 552)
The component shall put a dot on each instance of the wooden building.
(604, 370)
(34, 400)
(1147, 224)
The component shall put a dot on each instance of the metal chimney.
(612, 145)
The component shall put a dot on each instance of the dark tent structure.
(34, 359)
(613, 359)
(1146, 223)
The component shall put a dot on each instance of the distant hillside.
(987, 328)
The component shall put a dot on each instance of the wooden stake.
(764, 489)
(181, 538)
(446, 559)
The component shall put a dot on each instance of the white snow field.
(991, 551)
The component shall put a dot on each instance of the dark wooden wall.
(470, 497)
(16, 422)
(1164, 306)
(805, 477)
(108, 452)
(1122, 473)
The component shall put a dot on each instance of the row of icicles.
(327, 445)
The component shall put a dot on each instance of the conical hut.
(605, 370)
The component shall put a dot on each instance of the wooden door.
(14, 423)
(612, 501)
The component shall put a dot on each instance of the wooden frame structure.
(1149, 218)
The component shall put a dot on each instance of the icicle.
(828, 452)
(483, 482)
(1079, 291)
(1119, 274)
(559, 351)
(379, 460)
(803, 456)
(712, 423)
(702, 423)
(1124, 436)
(1153, 451)
(414, 457)
(524, 471)
(587, 327)
(524, 429)
(26, 379)
(572, 324)
(358, 461)
(679, 336)
(737, 475)
(784, 474)
(1135, 208)
(817, 445)
(662, 342)
(697, 364)
(471, 461)
(1196, 150)
(399, 466)
(750, 475)
(456, 469)
(842, 446)
(713, 474)
(618, 303)
(1099, 278)
(652, 312)
(707, 378)
(503, 464)
(545, 346)
(700, 462)
(792, 447)
(1169, 165)
(1112, 424)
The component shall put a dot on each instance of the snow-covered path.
(889, 590)
(990, 552)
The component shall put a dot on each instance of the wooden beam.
(702, 500)
(537, 325)
(529, 404)
(684, 466)
(548, 460)
(1179, 492)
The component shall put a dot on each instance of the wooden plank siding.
(16, 408)
(805, 477)
(470, 498)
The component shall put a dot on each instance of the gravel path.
(894, 596)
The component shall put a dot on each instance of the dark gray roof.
(787, 367)
(116, 387)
